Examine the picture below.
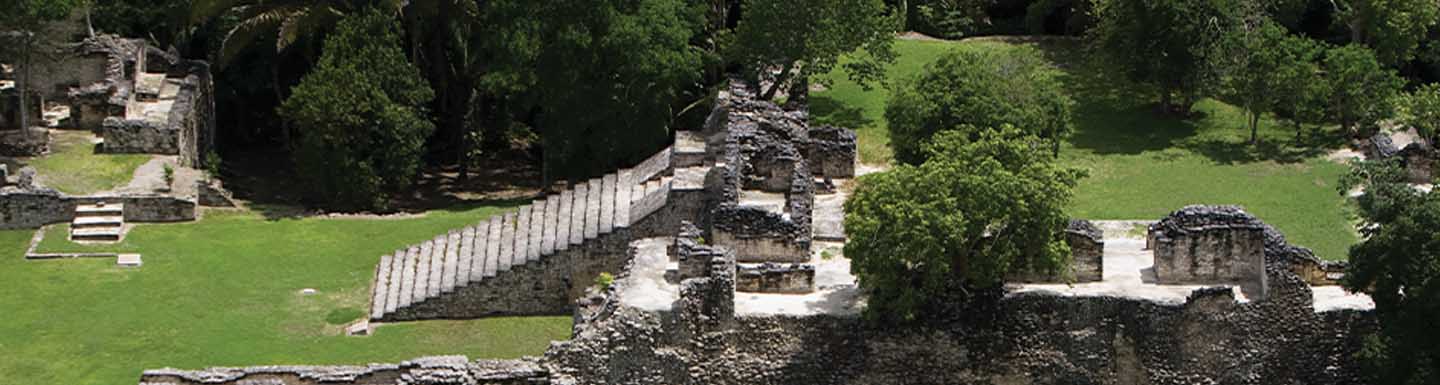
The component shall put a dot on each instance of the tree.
(1173, 46)
(807, 37)
(968, 89)
(1255, 63)
(988, 205)
(1363, 92)
(288, 20)
(1422, 111)
(1301, 89)
(360, 116)
(1393, 28)
(610, 75)
(1398, 264)
(25, 28)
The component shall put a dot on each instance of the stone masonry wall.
(1209, 244)
(1087, 257)
(1015, 339)
(33, 208)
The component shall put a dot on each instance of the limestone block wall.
(1004, 339)
(1209, 245)
(1420, 160)
(775, 278)
(33, 208)
(193, 113)
(832, 152)
(1087, 257)
(425, 370)
(139, 136)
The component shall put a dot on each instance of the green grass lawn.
(73, 166)
(224, 291)
(1142, 164)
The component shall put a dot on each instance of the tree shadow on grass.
(827, 110)
(1270, 148)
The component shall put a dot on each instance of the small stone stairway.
(495, 246)
(100, 222)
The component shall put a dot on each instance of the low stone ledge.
(775, 278)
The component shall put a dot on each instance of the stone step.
(534, 246)
(592, 209)
(492, 247)
(522, 237)
(607, 203)
(407, 282)
(452, 262)
(563, 220)
(577, 214)
(507, 242)
(392, 297)
(101, 221)
(422, 272)
(382, 287)
(95, 234)
(437, 268)
(624, 184)
(109, 209)
(550, 225)
(464, 269)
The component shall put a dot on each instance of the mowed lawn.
(225, 291)
(72, 166)
(1144, 165)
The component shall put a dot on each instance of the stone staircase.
(99, 222)
(522, 240)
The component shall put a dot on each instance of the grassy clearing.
(224, 291)
(1143, 165)
(73, 166)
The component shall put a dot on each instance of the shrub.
(989, 204)
(604, 280)
(969, 89)
(360, 116)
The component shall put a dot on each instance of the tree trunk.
(779, 82)
(1165, 102)
(1254, 127)
(24, 86)
(280, 98)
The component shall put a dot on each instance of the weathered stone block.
(775, 278)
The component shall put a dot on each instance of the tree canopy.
(361, 116)
(1398, 265)
(613, 71)
(1173, 46)
(990, 203)
(969, 89)
(808, 37)
(1422, 110)
(1393, 28)
(1362, 90)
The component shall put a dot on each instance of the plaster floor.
(772, 202)
(646, 287)
(836, 291)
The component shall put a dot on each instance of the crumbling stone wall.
(1087, 257)
(1208, 245)
(832, 152)
(1029, 338)
(759, 148)
(28, 208)
(775, 278)
(188, 130)
(421, 371)
(1420, 160)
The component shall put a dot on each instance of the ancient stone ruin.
(137, 99)
(729, 224)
